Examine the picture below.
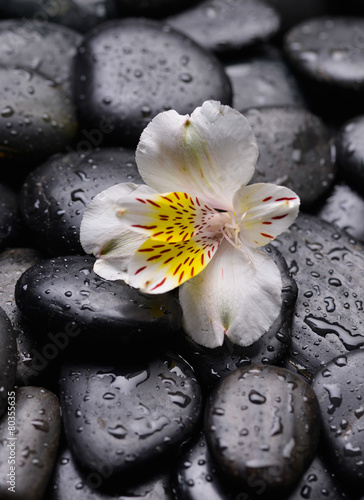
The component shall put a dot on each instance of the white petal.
(232, 297)
(210, 154)
(263, 211)
(103, 235)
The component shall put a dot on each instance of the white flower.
(196, 224)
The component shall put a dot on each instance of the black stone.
(294, 151)
(13, 263)
(55, 195)
(262, 427)
(121, 414)
(350, 152)
(64, 294)
(318, 483)
(292, 12)
(76, 14)
(196, 477)
(344, 208)
(328, 266)
(152, 8)
(47, 49)
(128, 71)
(327, 54)
(340, 392)
(211, 365)
(37, 433)
(7, 360)
(263, 80)
(10, 222)
(227, 25)
(36, 116)
(69, 482)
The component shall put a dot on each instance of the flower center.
(231, 229)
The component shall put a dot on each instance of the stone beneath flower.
(196, 222)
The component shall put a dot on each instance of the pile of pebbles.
(111, 399)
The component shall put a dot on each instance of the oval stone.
(340, 392)
(211, 365)
(10, 222)
(129, 70)
(55, 195)
(35, 443)
(328, 266)
(294, 151)
(64, 291)
(7, 360)
(36, 117)
(49, 49)
(68, 481)
(227, 25)
(76, 14)
(350, 152)
(262, 427)
(122, 415)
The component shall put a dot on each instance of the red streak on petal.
(209, 254)
(153, 203)
(176, 195)
(277, 217)
(192, 271)
(286, 199)
(181, 276)
(267, 223)
(168, 260)
(202, 259)
(154, 257)
(146, 250)
(179, 254)
(141, 201)
(177, 269)
(143, 227)
(197, 201)
(185, 236)
(186, 196)
(267, 199)
(159, 284)
(158, 246)
(166, 250)
(168, 199)
(267, 235)
(140, 270)
(157, 234)
(185, 262)
(169, 238)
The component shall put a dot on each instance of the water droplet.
(218, 411)
(306, 491)
(351, 450)
(335, 396)
(323, 327)
(185, 77)
(256, 398)
(330, 304)
(334, 282)
(180, 399)
(108, 396)
(7, 111)
(68, 294)
(119, 432)
(41, 425)
(78, 195)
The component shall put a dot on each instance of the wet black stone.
(227, 25)
(55, 195)
(47, 49)
(318, 483)
(292, 12)
(327, 54)
(64, 293)
(76, 14)
(344, 208)
(294, 151)
(211, 365)
(7, 360)
(196, 476)
(128, 71)
(122, 415)
(37, 432)
(340, 392)
(152, 8)
(36, 117)
(328, 266)
(350, 152)
(10, 222)
(263, 80)
(262, 427)
(13, 263)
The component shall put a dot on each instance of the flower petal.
(232, 297)
(167, 217)
(158, 267)
(263, 211)
(208, 154)
(103, 235)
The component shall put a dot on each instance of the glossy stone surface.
(261, 425)
(340, 392)
(293, 12)
(37, 432)
(294, 151)
(64, 293)
(211, 365)
(122, 414)
(350, 152)
(129, 70)
(328, 266)
(10, 222)
(37, 117)
(7, 360)
(227, 25)
(13, 262)
(55, 195)
(47, 49)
